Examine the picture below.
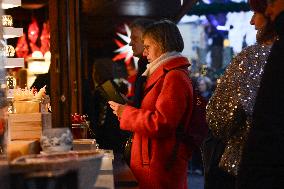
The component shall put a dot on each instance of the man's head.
(137, 29)
(274, 8)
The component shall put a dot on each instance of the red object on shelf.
(79, 131)
(22, 49)
(79, 127)
(78, 119)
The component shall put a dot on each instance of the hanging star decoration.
(22, 48)
(45, 38)
(27, 44)
(124, 49)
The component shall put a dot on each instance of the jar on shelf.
(80, 130)
(11, 84)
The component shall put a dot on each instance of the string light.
(7, 20)
(8, 50)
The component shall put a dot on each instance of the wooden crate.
(24, 126)
(25, 107)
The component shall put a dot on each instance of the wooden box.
(24, 126)
(24, 107)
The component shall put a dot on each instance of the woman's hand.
(117, 108)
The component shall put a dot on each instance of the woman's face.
(152, 49)
(258, 20)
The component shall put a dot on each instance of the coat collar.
(171, 64)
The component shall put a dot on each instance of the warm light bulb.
(47, 56)
(7, 20)
(226, 43)
(37, 54)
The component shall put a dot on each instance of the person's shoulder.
(256, 48)
(248, 50)
(253, 51)
(254, 54)
(243, 57)
(180, 75)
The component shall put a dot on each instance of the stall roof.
(101, 18)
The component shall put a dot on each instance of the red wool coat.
(167, 103)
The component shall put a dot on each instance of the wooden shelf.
(14, 62)
(11, 32)
(7, 4)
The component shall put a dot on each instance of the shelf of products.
(11, 32)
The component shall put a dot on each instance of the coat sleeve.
(225, 113)
(173, 102)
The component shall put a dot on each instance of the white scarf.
(151, 67)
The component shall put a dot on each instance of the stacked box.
(24, 126)
(23, 107)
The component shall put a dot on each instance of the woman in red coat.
(167, 103)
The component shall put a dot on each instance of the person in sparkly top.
(229, 112)
(263, 156)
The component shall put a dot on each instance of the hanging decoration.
(28, 43)
(22, 48)
(124, 49)
(33, 33)
(45, 38)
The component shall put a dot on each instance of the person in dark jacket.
(103, 124)
(137, 27)
(263, 156)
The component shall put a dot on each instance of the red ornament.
(33, 31)
(22, 49)
(78, 119)
(45, 38)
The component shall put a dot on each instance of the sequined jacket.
(266, 138)
(229, 111)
